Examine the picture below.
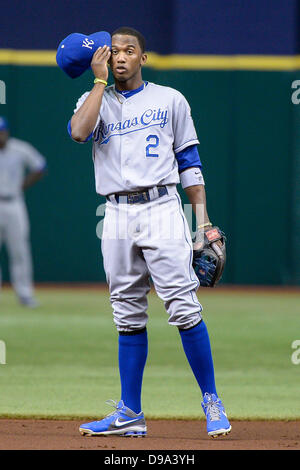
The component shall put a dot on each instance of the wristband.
(208, 224)
(99, 80)
(191, 177)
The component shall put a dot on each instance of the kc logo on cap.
(75, 52)
(88, 43)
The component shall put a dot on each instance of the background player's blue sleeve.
(70, 133)
(187, 158)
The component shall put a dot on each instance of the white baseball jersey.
(135, 139)
(15, 158)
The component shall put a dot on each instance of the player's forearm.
(32, 178)
(84, 120)
(197, 197)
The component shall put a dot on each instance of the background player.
(21, 166)
(144, 137)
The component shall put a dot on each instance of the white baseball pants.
(14, 233)
(143, 241)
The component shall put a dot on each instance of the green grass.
(61, 359)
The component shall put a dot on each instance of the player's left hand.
(209, 256)
(199, 239)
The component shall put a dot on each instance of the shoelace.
(117, 409)
(114, 404)
(213, 410)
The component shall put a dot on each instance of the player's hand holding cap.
(75, 52)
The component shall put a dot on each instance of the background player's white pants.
(14, 232)
(143, 240)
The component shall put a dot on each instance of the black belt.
(7, 198)
(139, 197)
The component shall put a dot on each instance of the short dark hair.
(126, 30)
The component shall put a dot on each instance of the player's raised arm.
(84, 120)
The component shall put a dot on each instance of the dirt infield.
(162, 435)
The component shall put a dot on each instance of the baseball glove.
(209, 260)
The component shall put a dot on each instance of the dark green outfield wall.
(250, 149)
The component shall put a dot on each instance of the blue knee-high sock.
(133, 350)
(196, 345)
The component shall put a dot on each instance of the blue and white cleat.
(122, 422)
(217, 422)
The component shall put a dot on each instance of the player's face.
(3, 138)
(126, 57)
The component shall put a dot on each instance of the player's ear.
(144, 59)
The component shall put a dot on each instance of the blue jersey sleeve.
(187, 158)
(70, 133)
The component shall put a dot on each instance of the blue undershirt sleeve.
(187, 158)
(70, 133)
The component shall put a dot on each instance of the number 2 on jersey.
(154, 143)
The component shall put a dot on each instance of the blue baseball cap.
(3, 124)
(75, 52)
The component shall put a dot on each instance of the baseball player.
(144, 144)
(21, 166)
